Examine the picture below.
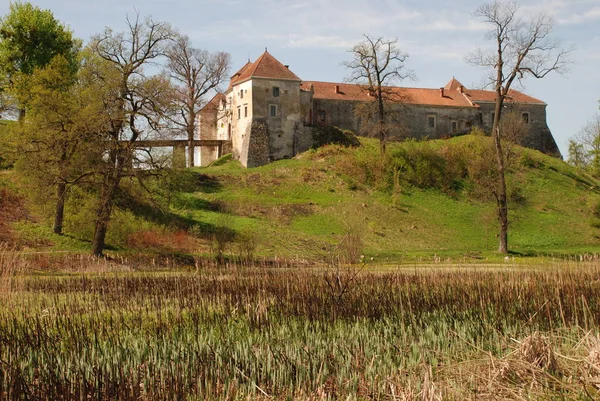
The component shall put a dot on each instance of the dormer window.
(276, 91)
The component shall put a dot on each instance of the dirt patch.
(12, 208)
(178, 241)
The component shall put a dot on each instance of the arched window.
(525, 117)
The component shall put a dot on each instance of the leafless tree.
(196, 72)
(522, 48)
(376, 65)
(135, 101)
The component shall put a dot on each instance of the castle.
(268, 113)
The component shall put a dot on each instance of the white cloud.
(579, 18)
(311, 41)
(444, 25)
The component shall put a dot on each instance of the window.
(321, 116)
(454, 125)
(276, 91)
(480, 118)
(525, 117)
(245, 111)
(239, 112)
(493, 115)
(430, 121)
(273, 110)
(242, 93)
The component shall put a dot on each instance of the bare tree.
(523, 48)
(135, 102)
(377, 64)
(196, 72)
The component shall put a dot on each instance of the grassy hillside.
(298, 206)
(419, 203)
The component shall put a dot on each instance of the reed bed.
(282, 333)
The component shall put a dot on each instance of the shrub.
(221, 160)
(327, 135)
(421, 166)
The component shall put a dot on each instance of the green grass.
(304, 205)
(314, 198)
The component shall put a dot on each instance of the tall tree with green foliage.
(57, 142)
(522, 48)
(30, 38)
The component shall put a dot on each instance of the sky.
(313, 38)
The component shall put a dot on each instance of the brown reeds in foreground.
(108, 331)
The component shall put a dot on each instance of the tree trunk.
(110, 184)
(501, 196)
(102, 219)
(381, 135)
(191, 152)
(59, 212)
(381, 112)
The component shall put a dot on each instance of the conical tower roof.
(266, 66)
(454, 85)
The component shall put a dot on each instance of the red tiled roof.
(453, 85)
(214, 103)
(327, 90)
(235, 77)
(450, 95)
(266, 66)
(490, 96)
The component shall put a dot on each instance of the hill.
(421, 202)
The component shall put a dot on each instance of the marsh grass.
(277, 333)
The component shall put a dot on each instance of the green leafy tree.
(584, 149)
(57, 142)
(577, 154)
(30, 38)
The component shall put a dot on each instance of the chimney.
(442, 92)
(337, 89)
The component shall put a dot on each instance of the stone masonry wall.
(255, 148)
(448, 121)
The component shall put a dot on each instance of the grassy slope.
(299, 206)
(302, 207)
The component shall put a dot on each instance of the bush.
(418, 164)
(327, 135)
(221, 160)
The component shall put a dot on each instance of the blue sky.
(313, 37)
